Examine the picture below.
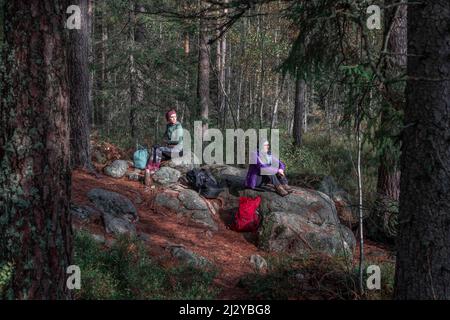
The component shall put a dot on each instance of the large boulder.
(166, 176)
(326, 184)
(189, 204)
(305, 220)
(117, 169)
(183, 164)
(322, 183)
(289, 232)
(118, 212)
(231, 177)
(312, 205)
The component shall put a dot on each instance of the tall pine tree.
(422, 270)
(35, 178)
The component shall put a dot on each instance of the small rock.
(99, 238)
(138, 199)
(117, 211)
(112, 202)
(110, 242)
(186, 256)
(209, 234)
(166, 176)
(134, 176)
(118, 225)
(117, 169)
(83, 212)
(258, 262)
(202, 217)
(192, 200)
(165, 200)
(98, 157)
(144, 237)
(300, 276)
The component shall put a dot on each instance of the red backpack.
(246, 219)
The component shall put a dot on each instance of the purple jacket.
(254, 170)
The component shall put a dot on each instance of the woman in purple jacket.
(267, 169)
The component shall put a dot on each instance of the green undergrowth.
(314, 277)
(126, 271)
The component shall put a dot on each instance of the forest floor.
(228, 249)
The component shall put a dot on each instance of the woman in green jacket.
(173, 140)
(173, 136)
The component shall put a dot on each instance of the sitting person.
(173, 140)
(267, 169)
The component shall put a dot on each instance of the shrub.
(6, 270)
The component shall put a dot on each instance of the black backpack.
(204, 183)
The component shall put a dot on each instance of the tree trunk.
(423, 248)
(186, 43)
(299, 109)
(91, 59)
(136, 88)
(35, 222)
(278, 89)
(388, 172)
(203, 74)
(102, 80)
(221, 78)
(80, 90)
(307, 107)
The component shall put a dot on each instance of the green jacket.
(174, 134)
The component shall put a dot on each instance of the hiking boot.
(280, 190)
(288, 188)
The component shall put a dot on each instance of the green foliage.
(303, 277)
(315, 276)
(321, 156)
(6, 271)
(125, 271)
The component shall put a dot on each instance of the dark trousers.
(167, 153)
(275, 179)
